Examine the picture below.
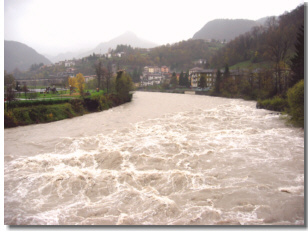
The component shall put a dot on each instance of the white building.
(69, 63)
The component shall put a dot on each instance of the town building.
(196, 73)
(89, 78)
(69, 63)
(164, 69)
(151, 79)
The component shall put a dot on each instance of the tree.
(99, 72)
(9, 79)
(181, 79)
(25, 89)
(10, 95)
(278, 45)
(108, 76)
(297, 65)
(202, 82)
(174, 81)
(77, 82)
(296, 100)
(217, 83)
(80, 81)
(186, 79)
(124, 85)
(72, 81)
(224, 78)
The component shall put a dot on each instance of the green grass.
(60, 95)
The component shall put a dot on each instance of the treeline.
(280, 87)
(178, 56)
(273, 42)
(181, 55)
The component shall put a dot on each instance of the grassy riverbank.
(23, 113)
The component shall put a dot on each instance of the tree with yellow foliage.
(77, 82)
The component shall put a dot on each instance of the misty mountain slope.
(224, 29)
(61, 56)
(21, 56)
(128, 38)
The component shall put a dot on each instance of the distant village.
(151, 75)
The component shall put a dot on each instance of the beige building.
(196, 73)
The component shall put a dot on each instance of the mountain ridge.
(21, 56)
(127, 38)
(226, 29)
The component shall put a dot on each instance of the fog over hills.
(128, 38)
(21, 56)
(226, 29)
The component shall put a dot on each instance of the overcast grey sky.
(54, 26)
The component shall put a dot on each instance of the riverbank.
(293, 104)
(35, 112)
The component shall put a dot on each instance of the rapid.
(162, 159)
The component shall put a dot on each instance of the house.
(71, 70)
(151, 79)
(151, 69)
(69, 63)
(120, 54)
(196, 73)
(164, 69)
(89, 78)
(59, 63)
(199, 62)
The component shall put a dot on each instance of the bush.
(93, 103)
(9, 119)
(77, 105)
(296, 103)
(275, 104)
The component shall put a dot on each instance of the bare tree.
(10, 95)
(98, 70)
(278, 45)
(101, 73)
(108, 76)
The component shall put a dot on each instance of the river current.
(162, 159)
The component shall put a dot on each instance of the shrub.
(93, 104)
(9, 119)
(296, 103)
(77, 105)
(275, 104)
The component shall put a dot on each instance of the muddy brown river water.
(162, 159)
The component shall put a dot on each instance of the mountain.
(262, 21)
(128, 38)
(21, 56)
(225, 29)
(63, 56)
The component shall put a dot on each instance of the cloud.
(53, 26)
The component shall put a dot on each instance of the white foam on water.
(229, 164)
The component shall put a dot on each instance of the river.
(162, 159)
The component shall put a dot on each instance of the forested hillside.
(273, 42)
(224, 29)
